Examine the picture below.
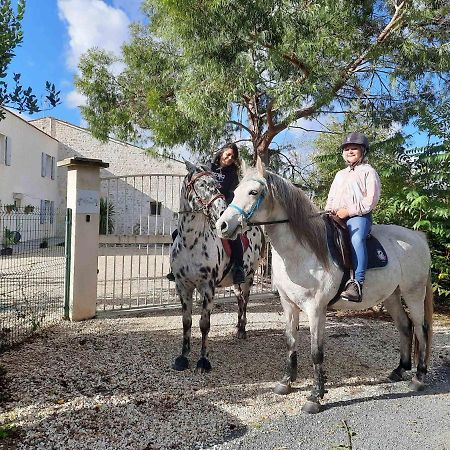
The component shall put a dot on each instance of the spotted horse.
(199, 260)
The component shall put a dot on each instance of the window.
(48, 165)
(5, 150)
(47, 211)
(155, 208)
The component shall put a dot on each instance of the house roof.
(85, 130)
(28, 122)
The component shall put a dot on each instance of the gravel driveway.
(107, 384)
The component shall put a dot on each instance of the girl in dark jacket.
(225, 166)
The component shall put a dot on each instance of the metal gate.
(137, 216)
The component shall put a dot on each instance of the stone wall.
(132, 197)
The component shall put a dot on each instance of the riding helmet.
(356, 138)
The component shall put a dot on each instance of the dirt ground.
(108, 384)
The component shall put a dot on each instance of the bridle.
(246, 215)
(205, 205)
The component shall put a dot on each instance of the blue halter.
(255, 205)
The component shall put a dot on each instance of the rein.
(246, 215)
(270, 222)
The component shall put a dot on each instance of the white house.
(27, 164)
(28, 175)
(144, 202)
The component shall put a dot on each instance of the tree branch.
(292, 57)
(240, 125)
(269, 115)
(314, 131)
(353, 66)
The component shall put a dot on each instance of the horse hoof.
(241, 334)
(282, 389)
(181, 363)
(395, 377)
(203, 365)
(416, 385)
(311, 407)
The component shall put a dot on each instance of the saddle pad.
(227, 246)
(377, 256)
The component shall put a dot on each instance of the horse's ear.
(189, 166)
(260, 167)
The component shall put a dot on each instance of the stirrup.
(170, 276)
(359, 289)
(358, 284)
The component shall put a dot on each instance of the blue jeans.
(359, 228)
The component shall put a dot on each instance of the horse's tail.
(428, 322)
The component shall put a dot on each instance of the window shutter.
(7, 152)
(42, 164)
(53, 168)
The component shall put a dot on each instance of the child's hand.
(342, 213)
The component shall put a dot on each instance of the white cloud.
(91, 23)
(74, 99)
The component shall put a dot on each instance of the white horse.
(307, 279)
(199, 261)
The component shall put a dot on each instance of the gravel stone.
(107, 383)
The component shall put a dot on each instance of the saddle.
(339, 238)
(339, 245)
(227, 247)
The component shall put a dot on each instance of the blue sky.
(57, 32)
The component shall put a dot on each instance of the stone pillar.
(83, 197)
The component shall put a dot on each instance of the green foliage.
(11, 36)
(8, 430)
(107, 212)
(198, 71)
(8, 237)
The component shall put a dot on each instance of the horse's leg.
(316, 318)
(207, 295)
(420, 307)
(291, 313)
(242, 293)
(404, 326)
(182, 362)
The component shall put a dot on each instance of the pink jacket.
(358, 190)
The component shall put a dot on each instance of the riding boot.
(238, 274)
(352, 292)
(170, 276)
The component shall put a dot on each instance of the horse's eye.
(253, 192)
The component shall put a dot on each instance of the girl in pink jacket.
(353, 195)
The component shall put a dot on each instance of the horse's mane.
(304, 219)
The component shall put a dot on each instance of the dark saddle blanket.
(227, 247)
(338, 240)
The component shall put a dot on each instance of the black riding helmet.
(357, 138)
